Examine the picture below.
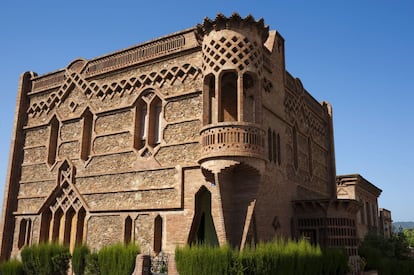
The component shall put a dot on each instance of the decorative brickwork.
(198, 136)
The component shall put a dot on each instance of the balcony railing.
(232, 139)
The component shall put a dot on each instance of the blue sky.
(358, 55)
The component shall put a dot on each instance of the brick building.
(358, 188)
(201, 135)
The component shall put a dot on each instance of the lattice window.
(239, 51)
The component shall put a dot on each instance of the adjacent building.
(197, 136)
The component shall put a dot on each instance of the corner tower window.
(209, 99)
(229, 99)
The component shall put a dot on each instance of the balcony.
(227, 140)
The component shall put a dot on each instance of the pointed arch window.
(53, 141)
(25, 233)
(209, 99)
(128, 230)
(148, 120)
(158, 234)
(63, 217)
(86, 142)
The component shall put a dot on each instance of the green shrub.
(335, 261)
(79, 259)
(203, 259)
(92, 264)
(277, 257)
(45, 259)
(12, 267)
(117, 259)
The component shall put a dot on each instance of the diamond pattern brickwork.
(236, 52)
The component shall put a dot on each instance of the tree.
(409, 235)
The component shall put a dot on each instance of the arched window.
(86, 135)
(128, 230)
(25, 232)
(158, 234)
(155, 122)
(45, 225)
(148, 119)
(53, 141)
(229, 98)
(202, 228)
(209, 99)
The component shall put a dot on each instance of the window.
(86, 135)
(128, 230)
(53, 141)
(24, 233)
(209, 99)
(158, 234)
(229, 98)
(148, 119)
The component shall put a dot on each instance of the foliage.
(79, 259)
(388, 256)
(45, 259)
(117, 259)
(12, 267)
(203, 259)
(277, 257)
(409, 235)
(92, 264)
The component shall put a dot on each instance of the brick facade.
(201, 135)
